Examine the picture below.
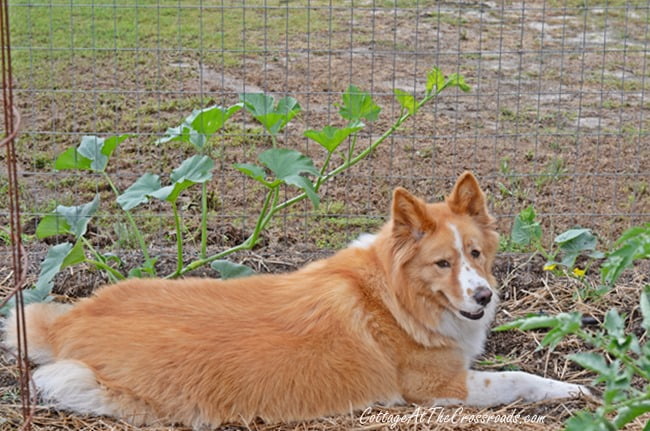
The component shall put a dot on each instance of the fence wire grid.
(557, 116)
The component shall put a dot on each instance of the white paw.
(551, 389)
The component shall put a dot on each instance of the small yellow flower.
(550, 266)
(579, 272)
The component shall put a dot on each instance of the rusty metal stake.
(12, 123)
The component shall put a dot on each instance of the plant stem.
(134, 226)
(113, 273)
(179, 241)
(204, 220)
(117, 275)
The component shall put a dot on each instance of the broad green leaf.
(306, 185)
(570, 235)
(195, 170)
(331, 137)
(71, 159)
(568, 323)
(525, 229)
(98, 150)
(406, 100)
(57, 258)
(210, 120)
(288, 165)
(229, 269)
(284, 162)
(591, 361)
(435, 79)
(68, 219)
(628, 413)
(79, 216)
(358, 105)
(255, 172)
(51, 225)
(645, 307)
(272, 118)
(181, 133)
(139, 191)
(574, 242)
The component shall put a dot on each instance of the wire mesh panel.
(557, 116)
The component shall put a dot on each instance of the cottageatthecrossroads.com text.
(442, 415)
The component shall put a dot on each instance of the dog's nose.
(483, 295)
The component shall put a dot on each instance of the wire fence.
(557, 116)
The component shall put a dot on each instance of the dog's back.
(279, 347)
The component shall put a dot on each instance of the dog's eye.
(443, 263)
(476, 254)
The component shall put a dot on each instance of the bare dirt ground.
(557, 117)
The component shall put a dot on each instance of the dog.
(396, 317)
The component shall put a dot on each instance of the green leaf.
(68, 219)
(58, 257)
(71, 159)
(51, 225)
(195, 170)
(255, 172)
(98, 150)
(588, 421)
(209, 120)
(284, 162)
(139, 191)
(358, 105)
(645, 307)
(633, 244)
(628, 413)
(272, 118)
(288, 165)
(529, 322)
(574, 242)
(435, 79)
(592, 362)
(331, 137)
(568, 323)
(406, 100)
(229, 269)
(614, 323)
(306, 185)
(525, 229)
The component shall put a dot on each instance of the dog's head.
(442, 253)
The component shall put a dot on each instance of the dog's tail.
(38, 321)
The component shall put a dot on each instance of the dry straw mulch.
(525, 289)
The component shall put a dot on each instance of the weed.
(623, 356)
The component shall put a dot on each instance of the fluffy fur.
(396, 316)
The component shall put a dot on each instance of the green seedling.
(273, 117)
(198, 129)
(624, 357)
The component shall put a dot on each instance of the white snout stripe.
(467, 276)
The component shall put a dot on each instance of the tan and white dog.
(396, 317)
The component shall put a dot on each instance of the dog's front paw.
(551, 389)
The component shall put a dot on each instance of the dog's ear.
(468, 198)
(410, 219)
